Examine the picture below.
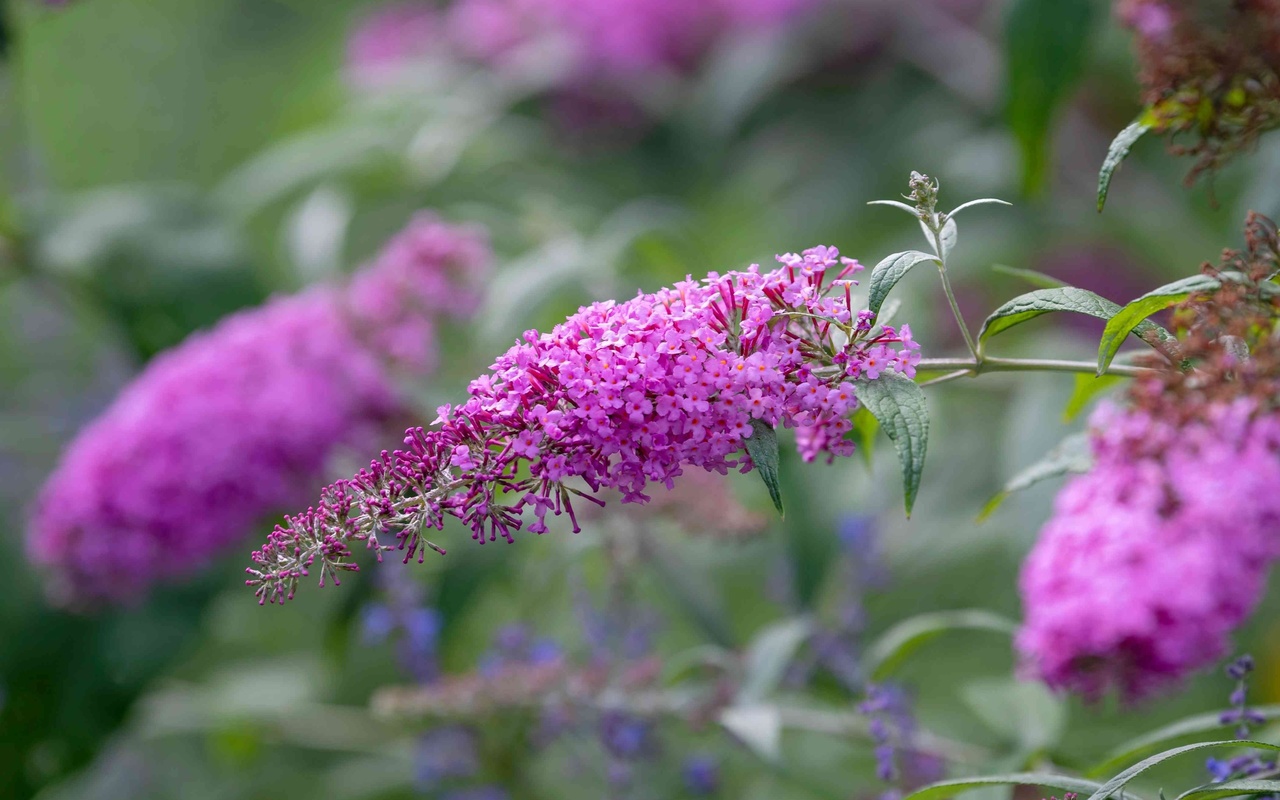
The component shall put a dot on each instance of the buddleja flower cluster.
(1211, 70)
(1154, 556)
(240, 420)
(619, 396)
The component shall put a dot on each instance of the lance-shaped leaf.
(896, 644)
(768, 656)
(865, 426)
(1128, 319)
(979, 202)
(1063, 783)
(1066, 298)
(1116, 153)
(1071, 455)
(888, 272)
(899, 405)
(762, 446)
(1117, 783)
(1036, 279)
(1087, 386)
(1216, 791)
(1196, 725)
(949, 235)
(1046, 45)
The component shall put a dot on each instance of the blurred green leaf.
(1117, 783)
(1086, 388)
(1046, 45)
(945, 789)
(1037, 279)
(1026, 714)
(899, 405)
(1070, 455)
(1216, 791)
(865, 426)
(895, 645)
(758, 727)
(768, 656)
(1190, 726)
(1130, 319)
(762, 446)
(1116, 154)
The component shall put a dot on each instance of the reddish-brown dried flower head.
(1210, 70)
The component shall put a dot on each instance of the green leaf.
(894, 646)
(1067, 298)
(1087, 386)
(888, 272)
(1215, 791)
(762, 446)
(768, 656)
(1046, 44)
(1025, 714)
(1070, 455)
(1037, 279)
(1128, 319)
(1198, 724)
(899, 405)
(758, 727)
(1120, 781)
(946, 789)
(979, 202)
(863, 434)
(1116, 153)
(896, 204)
(1043, 301)
(949, 235)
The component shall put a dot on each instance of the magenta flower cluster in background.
(610, 39)
(241, 420)
(619, 396)
(619, 38)
(1157, 554)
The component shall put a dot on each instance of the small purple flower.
(446, 753)
(701, 775)
(376, 623)
(625, 735)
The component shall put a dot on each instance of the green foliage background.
(165, 163)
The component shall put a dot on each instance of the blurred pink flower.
(1157, 554)
(238, 421)
(390, 38)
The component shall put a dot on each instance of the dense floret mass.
(619, 396)
(240, 420)
(1162, 549)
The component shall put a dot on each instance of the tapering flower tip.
(1156, 555)
(241, 419)
(619, 396)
